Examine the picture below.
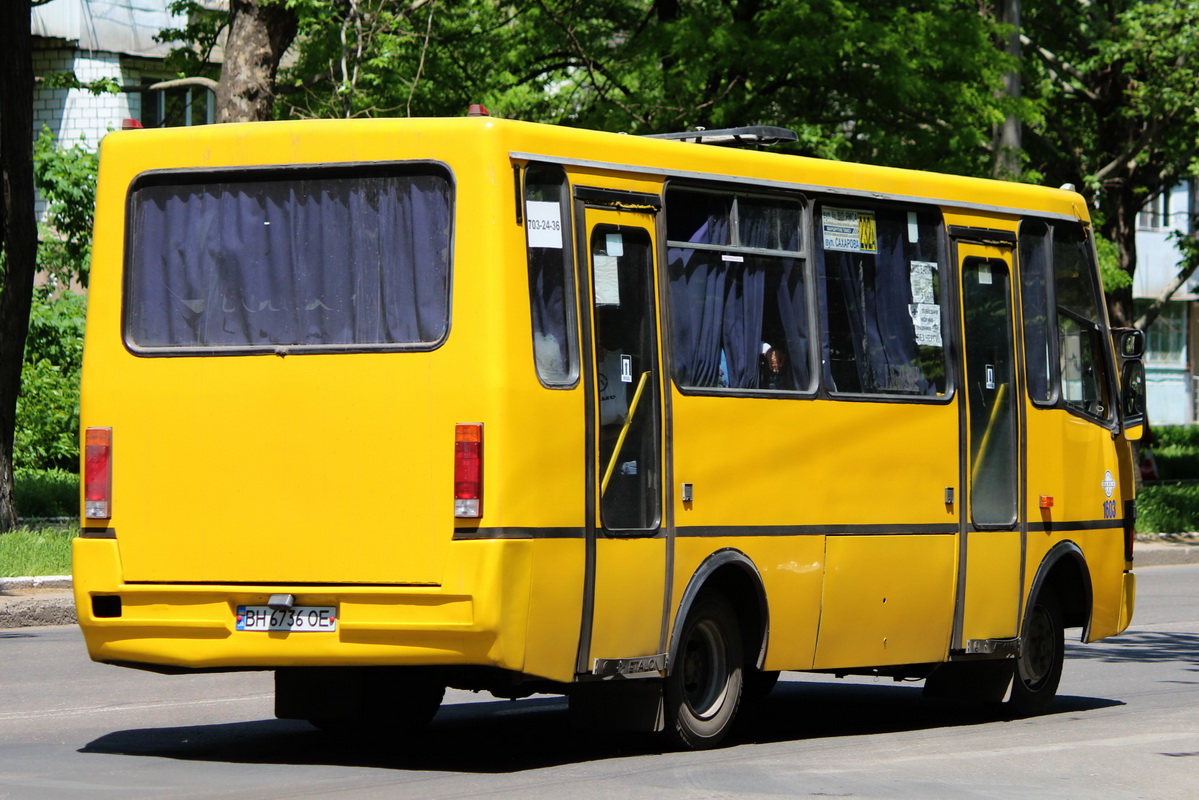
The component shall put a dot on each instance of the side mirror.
(1132, 399)
(1130, 342)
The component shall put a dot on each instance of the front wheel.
(1043, 649)
(703, 689)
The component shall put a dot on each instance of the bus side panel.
(796, 469)
(1069, 459)
(555, 609)
(875, 614)
(792, 571)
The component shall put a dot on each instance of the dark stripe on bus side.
(715, 531)
(470, 534)
(936, 529)
(1077, 525)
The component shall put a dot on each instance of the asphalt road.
(1126, 725)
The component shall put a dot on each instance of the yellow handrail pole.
(1000, 397)
(623, 432)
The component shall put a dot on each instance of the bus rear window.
(317, 259)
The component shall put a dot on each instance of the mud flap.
(971, 681)
(618, 705)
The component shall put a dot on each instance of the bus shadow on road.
(535, 733)
(1142, 646)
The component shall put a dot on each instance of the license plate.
(299, 619)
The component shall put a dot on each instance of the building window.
(1155, 215)
(178, 107)
(1166, 338)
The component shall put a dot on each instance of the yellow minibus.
(389, 406)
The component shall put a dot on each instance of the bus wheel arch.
(718, 641)
(1064, 571)
(1060, 598)
(731, 573)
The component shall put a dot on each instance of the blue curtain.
(276, 263)
(697, 291)
(868, 325)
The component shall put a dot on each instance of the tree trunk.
(1121, 228)
(1008, 140)
(18, 227)
(259, 33)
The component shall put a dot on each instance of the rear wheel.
(1042, 651)
(703, 689)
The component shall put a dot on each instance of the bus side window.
(737, 294)
(881, 300)
(1063, 332)
(551, 297)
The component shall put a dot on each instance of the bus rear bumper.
(194, 627)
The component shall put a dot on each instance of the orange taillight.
(97, 470)
(468, 470)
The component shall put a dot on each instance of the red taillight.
(468, 470)
(97, 469)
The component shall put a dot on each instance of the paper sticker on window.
(543, 221)
(607, 280)
(626, 369)
(848, 230)
(926, 320)
(984, 274)
(922, 281)
(614, 244)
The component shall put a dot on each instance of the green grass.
(46, 493)
(1173, 505)
(36, 551)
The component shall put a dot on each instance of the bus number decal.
(1109, 509)
(544, 223)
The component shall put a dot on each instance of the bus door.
(991, 545)
(624, 597)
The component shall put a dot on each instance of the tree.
(256, 35)
(1116, 83)
(864, 79)
(260, 31)
(18, 230)
(47, 412)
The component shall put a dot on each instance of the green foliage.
(197, 38)
(42, 493)
(66, 177)
(1109, 265)
(1173, 506)
(47, 431)
(36, 551)
(67, 80)
(1117, 86)
(1176, 451)
(1168, 508)
(861, 79)
(1178, 436)
(47, 414)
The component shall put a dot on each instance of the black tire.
(703, 689)
(1043, 649)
